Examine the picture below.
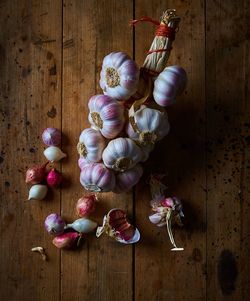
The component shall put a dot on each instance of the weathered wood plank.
(227, 74)
(30, 41)
(159, 273)
(102, 269)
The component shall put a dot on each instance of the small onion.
(54, 178)
(54, 224)
(51, 136)
(86, 205)
(67, 240)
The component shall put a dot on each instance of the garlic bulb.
(53, 153)
(119, 76)
(151, 125)
(121, 154)
(91, 145)
(106, 115)
(82, 162)
(127, 179)
(82, 225)
(38, 192)
(96, 177)
(169, 83)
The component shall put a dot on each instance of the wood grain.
(30, 42)
(227, 70)
(181, 156)
(50, 58)
(102, 270)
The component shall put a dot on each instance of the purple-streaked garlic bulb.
(119, 76)
(170, 83)
(82, 162)
(106, 115)
(91, 145)
(54, 224)
(121, 154)
(127, 179)
(51, 136)
(96, 177)
(151, 126)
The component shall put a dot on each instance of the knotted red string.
(162, 30)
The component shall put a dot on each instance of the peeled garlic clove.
(121, 154)
(91, 145)
(97, 178)
(119, 76)
(38, 192)
(127, 179)
(106, 115)
(36, 174)
(53, 153)
(86, 205)
(82, 225)
(66, 240)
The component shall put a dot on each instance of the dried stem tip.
(41, 251)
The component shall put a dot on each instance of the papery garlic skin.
(51, 136)
(54, 154)
(82, 162)
(127, 179)
(121, 154)
(82, 225)
(96, 177)
(66, 240)
(86, 205)
(38, 192)
(91, 145)
(170, 83)
(54, 224)
(152, 126)
(119, 76)
(106, 115)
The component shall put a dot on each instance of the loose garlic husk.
(106, 115)
(91, 145)
(96, 177)
(121, 154)
(54, 154)
(150, 126)
(127, 179)
(119, 76)
(38, 192)
(170, 83)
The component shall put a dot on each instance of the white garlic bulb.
(91, 145)
(38, 192)
(121, 154)
(151, 125)
(53, 153)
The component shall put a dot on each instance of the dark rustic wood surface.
(50, 57)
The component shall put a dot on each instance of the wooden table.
(50, 58)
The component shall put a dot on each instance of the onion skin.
(54, 224)
(51, 136)
(36, 174)
(66, 240)
(54, 178)
(86, 205)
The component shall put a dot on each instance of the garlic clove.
(67, 240)
(86, 205)
(54, 178)
(82, 225)
(51, 136)
(155, 218)
(134, 239)
(36, 174)
(38, 192)
(54, 154)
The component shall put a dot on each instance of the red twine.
(162, 31)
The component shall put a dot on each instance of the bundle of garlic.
(109, 160)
